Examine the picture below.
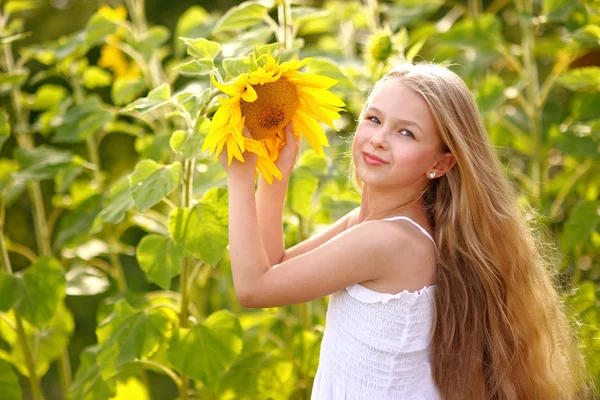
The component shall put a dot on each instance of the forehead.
(397, 101)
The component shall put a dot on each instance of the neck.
(378, 203)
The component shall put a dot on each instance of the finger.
(247, 133)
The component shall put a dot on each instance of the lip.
(372, 160)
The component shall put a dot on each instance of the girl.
(438, 289)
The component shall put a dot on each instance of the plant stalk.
(533, 97)
(25, 140)
(34, 382)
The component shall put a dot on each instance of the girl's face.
(396, 142)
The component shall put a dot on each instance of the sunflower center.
(272, 110)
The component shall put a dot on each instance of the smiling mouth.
(372, 160)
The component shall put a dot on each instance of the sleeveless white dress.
(376, 346)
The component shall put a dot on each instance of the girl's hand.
(289, 152)
(244, 170)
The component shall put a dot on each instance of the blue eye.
(374, 119)
(404, 130)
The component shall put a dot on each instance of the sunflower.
(265, 99)
(111, 57)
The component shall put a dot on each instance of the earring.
(432, 175)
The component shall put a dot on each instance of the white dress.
(376, 346)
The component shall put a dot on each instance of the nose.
(379, 139)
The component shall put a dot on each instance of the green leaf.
(9, 82)
(302, 14)
(41, 162)
(88, 383)
(329, 68)
(150, 182)
(490, 94)
(47, 342)
(14, 38)
(44, 288)
(247, 14)
(191, 142)
(260, 375)
(192, 23)
(235, 66)
(95, 77)
(11, 288)
(156, 36)
(302, 188)
(125, 90)
(85, 281)
(126, 334)
(208, 349)
(558, 10)
(74, 226)
(581, 223)
(98, 28)
(585, 78)
(404, 12)
(116, 205)
(196, 67)
(4, 127)
(200, 231)
(588, 36)
(307, 348)
(202, 48)
(9, 382)
(82, 121)
(160, 258)
(481, 35)
(47, 96)
(157, 97)
(13, 6)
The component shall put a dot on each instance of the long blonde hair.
(500, 328)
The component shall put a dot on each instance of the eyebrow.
(400, 121)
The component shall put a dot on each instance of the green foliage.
(122, 198)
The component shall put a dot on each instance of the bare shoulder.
(408, 257)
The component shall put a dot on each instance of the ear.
(444, 164)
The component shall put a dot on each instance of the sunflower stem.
(25, 140)
(286, 23)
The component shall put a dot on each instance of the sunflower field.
(115, 281)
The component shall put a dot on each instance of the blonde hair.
(500, 328)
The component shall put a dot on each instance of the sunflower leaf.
(9, 382)
(150, 182)
(160, 258)
(4, 127)
(88, 383)
(200, 230)
(208, 349)
(117, 203)
(239, 17)
(196, 67)
(157, 97)
(48, 341)
(127, 334)
(43, 289)
(202, 48)
(11, 288)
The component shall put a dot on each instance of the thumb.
(246, 132)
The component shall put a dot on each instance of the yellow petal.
(310, 80)
(233, 150)
(320, 113)
(249, 94)
(321, 96)
(229, 89)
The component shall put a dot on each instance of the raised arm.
(269, 207)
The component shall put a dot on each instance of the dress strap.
(415, 224)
